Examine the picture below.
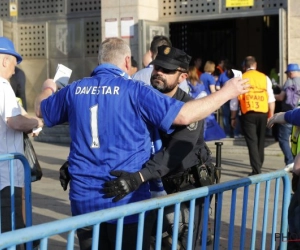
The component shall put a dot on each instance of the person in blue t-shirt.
(196, 87)
(110, 118)
(226, 114)
(207, 78)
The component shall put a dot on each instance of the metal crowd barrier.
(27, 186)
(245, 186)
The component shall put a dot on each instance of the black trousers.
(184, 216)
(254, 128)
(6, 210)
(107, 237)
(169, 217)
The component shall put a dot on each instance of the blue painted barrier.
(10, 239)
(27, 186)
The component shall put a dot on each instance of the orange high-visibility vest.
(257, 98)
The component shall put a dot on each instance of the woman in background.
(226, 114)
(207, 78)
(212, 130)
(196, 87)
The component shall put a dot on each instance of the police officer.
(184, 153)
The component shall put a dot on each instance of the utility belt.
(197, 176)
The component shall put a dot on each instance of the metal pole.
(218, 170)
(282, 45)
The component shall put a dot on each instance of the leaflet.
(36, 130)
(237, 73)
(62, 75)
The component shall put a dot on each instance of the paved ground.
(51, 203)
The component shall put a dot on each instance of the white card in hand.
(36, 130)
(237, 73)
(62, 75)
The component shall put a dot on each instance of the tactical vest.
(257, 98)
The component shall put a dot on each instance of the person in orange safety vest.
(256, 107)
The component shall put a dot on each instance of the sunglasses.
(167, 71)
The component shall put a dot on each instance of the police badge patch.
(167, 50)
(193, 126)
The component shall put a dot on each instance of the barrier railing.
(27, 187)
(10, 239)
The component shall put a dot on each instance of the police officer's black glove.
(123, 185)
(64, 176)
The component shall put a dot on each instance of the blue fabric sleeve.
(211, 80)
(293, 117)
(54, 108)
(162, 111)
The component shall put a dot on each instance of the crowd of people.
(141, 133)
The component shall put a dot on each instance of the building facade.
(52, 32)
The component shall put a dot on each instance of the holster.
(204, 175)
(179, 182)
(205, 172)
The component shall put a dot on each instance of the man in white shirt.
(14, 121)
(144, 74)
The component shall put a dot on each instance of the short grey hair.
(113, 50)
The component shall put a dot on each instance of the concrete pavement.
(51, 203)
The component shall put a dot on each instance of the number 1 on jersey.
(94, 127)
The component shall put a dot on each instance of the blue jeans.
(229, 131)
(284, 132)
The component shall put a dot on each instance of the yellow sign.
(239, 3)
(13, 10)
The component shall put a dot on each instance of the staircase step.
(238, 145)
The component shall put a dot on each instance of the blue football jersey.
(110, 117)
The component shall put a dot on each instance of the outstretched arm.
(291, 116)
(198, 109)
(49, 87)
(180, 145)
(276, 118)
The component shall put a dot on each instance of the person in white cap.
(13, 122)
(289, 91)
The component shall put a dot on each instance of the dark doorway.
(230, 38)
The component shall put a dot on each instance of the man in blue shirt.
(110, 118)
(183, 151)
